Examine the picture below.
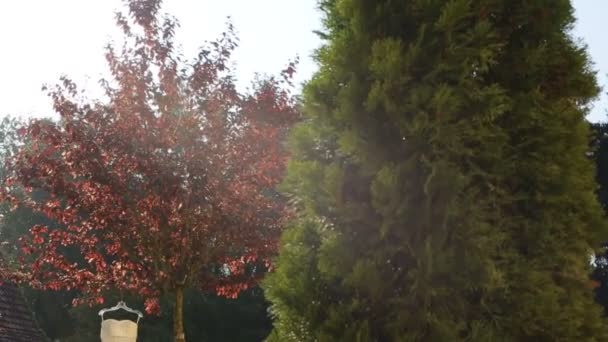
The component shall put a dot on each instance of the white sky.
(42, 39)
(591, 27)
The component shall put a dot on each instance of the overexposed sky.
(592, 28)
(43, 39)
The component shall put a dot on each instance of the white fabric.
(118, 331)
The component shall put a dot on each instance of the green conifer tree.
(441, 178)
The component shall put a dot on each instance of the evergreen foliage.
(441, 178)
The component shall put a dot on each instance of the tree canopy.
(442, 180)
(164, 185)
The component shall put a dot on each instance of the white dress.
(118, 331)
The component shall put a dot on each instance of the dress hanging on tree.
(113, 330)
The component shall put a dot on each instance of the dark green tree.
(599, 153)
(441, 178)
(208, 318)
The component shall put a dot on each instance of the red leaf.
(148, 194)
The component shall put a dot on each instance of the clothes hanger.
(122, 306)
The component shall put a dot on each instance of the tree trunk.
(178, 315)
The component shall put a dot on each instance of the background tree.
(599, 154)
(441, 178)
(206, 318)
(51, 310)
(166, 185)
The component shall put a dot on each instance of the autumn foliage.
(165, 183)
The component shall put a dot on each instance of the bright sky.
(43, 39)
(591, 28)
(48, 38)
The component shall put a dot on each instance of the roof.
(16, 321)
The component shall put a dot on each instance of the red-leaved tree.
(165, 184)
